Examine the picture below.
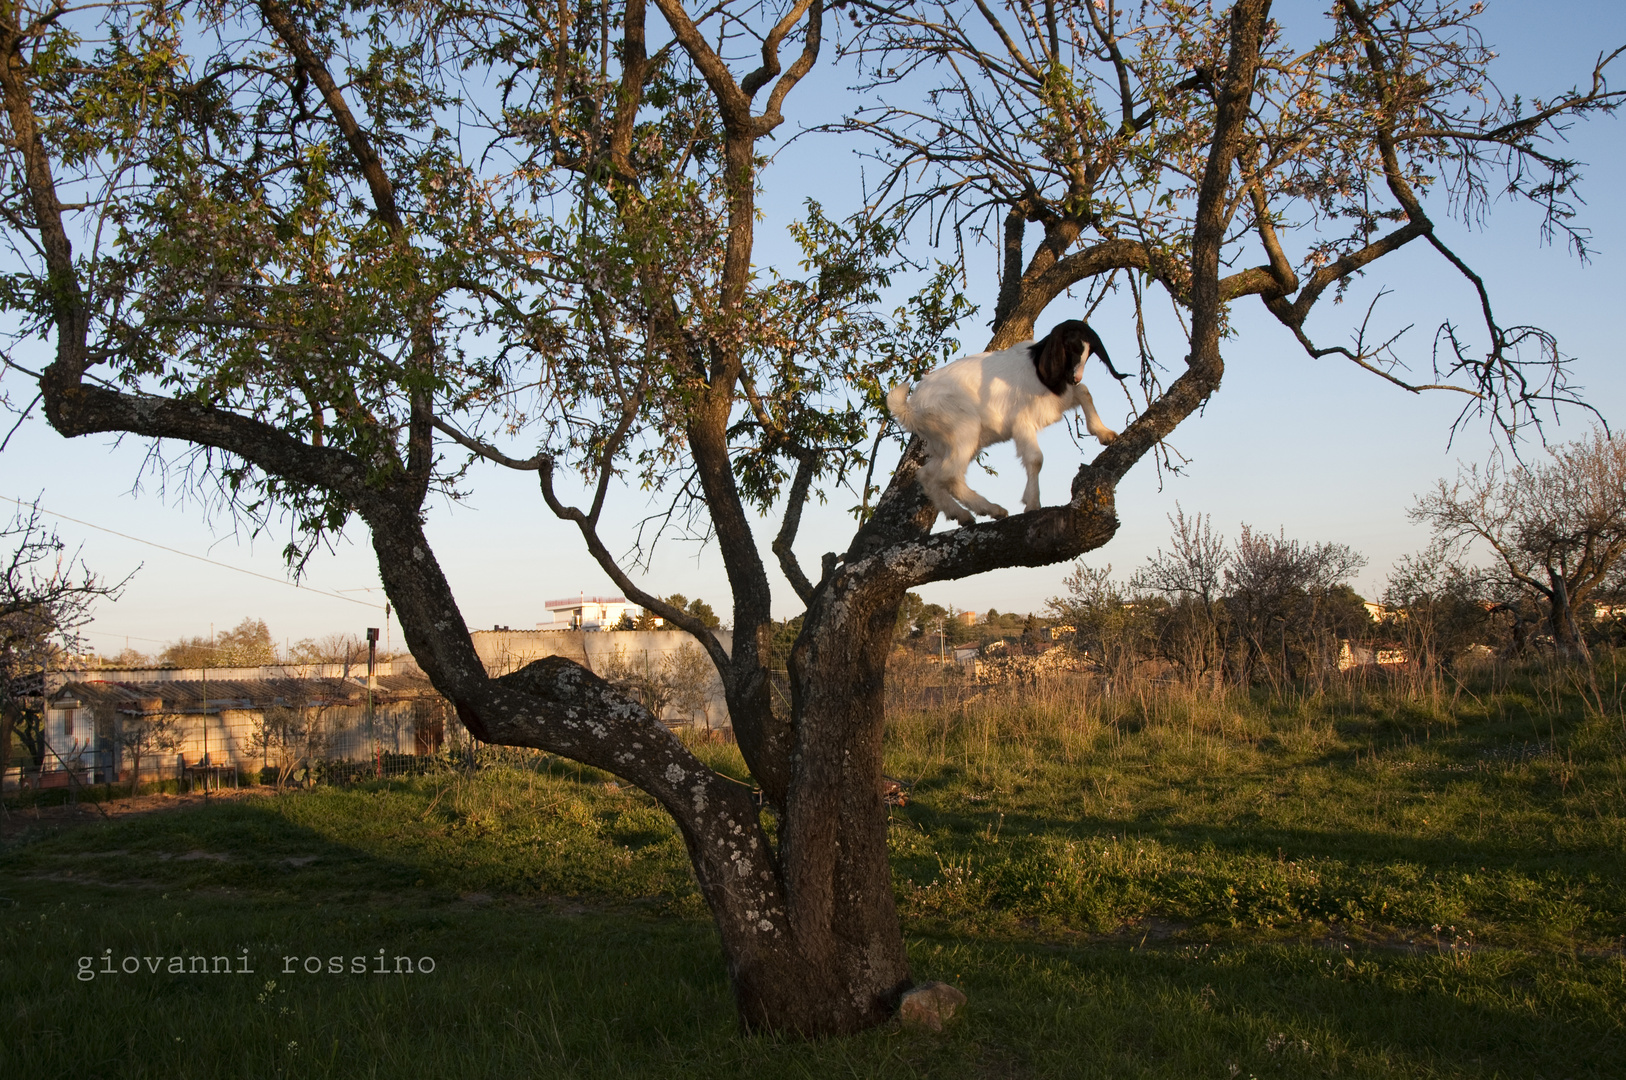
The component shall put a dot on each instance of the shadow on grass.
(521, 986)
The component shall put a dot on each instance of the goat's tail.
(897, 403)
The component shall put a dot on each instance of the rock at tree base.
(929, 1006)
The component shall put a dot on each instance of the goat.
(976, 401)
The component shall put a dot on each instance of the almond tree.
(1557, 526)
(146, 734)
(351, 255)
(46, 594)
(1189, 575)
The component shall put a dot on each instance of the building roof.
(212, 695)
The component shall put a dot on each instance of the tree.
(693, 679)
(1112, 624)
(697, 608)
(1190, 576)
(911, 612)
(335, 648)
(288, 737)
(142, 734)
(346, 252)
(653, 682)
(1558, 526)
(1441, 607)
(248, 644)
(1290, 603)
(45, 599)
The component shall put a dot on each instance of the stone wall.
(666, 667)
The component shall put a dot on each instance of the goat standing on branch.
(1015, 393)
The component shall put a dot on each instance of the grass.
(1161, 884)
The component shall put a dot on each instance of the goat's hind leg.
(932, 481)
(953, 471)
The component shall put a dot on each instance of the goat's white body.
(976, 401)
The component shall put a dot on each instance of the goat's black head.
(1056, 357)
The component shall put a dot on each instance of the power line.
(189, 555)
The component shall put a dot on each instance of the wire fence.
(293, 748)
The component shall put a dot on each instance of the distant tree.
(1442, 606)
(1285, 601)
(696, 608)
(955, 629)
(1114, 625)
(1190, 575)
(625, 622)
(335, 648)
(932, 618)
(642, 677)
(288, 737)
(784, 636)
(248, 644)
(693, 678)
(45, 599)
(1557, 526)
(703, 614)
(680, 680)
(910, 611)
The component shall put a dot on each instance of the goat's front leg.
(1027, 448)
(1092, 419)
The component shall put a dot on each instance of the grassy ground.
(1159, 885)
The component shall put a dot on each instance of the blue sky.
(1317, 448)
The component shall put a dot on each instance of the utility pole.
(372, 665)
(942, 660)
(208, 654)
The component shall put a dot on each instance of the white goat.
(979, 400)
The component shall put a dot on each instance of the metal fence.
(328, 746)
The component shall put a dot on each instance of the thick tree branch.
(78, 409)
(66, 298)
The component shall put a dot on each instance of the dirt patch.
(15, 821)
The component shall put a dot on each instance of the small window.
(68, 718)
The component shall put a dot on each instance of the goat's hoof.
(997, 512)
(1107, 437)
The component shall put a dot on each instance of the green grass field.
(1160, 885)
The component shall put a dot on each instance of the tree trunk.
(1567, 637)
(838, 877)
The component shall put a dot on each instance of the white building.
(219, 721)
(584, 612)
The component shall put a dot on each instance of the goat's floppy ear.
(1098, 349)
(1051, 362)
